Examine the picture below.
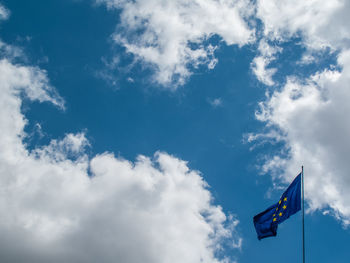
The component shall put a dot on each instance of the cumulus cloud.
(310, 115)
(320, 23)
(61, 206)
(170, 36)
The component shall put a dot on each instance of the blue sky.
(192, 90)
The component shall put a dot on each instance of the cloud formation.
(260, 63)
(311, 20)
(310, 115)
(215, 102)
(60, 206)
(4, 12)
(171, 36)
(321, 25)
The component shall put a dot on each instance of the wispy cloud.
(216, 102)
(170, 36)
(260, 63)
(4, 13)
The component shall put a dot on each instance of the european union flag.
(290, 202)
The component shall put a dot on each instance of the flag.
(290, 202)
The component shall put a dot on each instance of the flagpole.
(302, 183)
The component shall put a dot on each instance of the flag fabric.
(290, 202)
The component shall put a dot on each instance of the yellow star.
(284, 207)
(276, 208)
(285, 199)
(274, 219)
(280, 214)
(279, 202)
(274, 215)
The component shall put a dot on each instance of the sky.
(153, 131)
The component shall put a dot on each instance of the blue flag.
(290, 202)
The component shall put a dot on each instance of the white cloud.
(260, 63)
(262, 73)
(60, 206)
(170, 35)
(215, 102)
(4, 13)
(310, 115)
(267, 50)
(320, 23)
(312, 118)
